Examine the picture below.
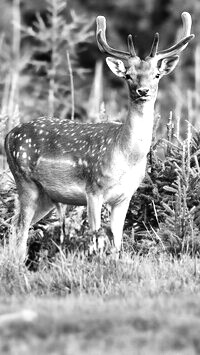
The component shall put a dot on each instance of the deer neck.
(138, 128)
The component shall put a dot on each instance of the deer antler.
(154, 47)
(131, 46)
(103, 45)
(178, 47)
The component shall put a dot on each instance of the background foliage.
(36, 35)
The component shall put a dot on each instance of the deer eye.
(127, 76)
(157, 76)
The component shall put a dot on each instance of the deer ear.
(117, 66)
(166, 65)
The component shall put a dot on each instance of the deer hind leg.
(33, 205)
(117, 218)
(94, 205)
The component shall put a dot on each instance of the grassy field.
(147, 305)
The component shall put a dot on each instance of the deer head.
(143, 76)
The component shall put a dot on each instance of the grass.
(145, 305)
(101, 277)
(167, 325)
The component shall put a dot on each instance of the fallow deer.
(54, 161)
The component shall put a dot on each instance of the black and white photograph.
(99, 177)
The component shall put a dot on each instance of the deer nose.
(142, 91)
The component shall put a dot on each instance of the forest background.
(35, 67)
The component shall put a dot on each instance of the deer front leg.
(94, 205)
(118, 214)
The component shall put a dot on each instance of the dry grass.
(167, 325)
(148, 305)
(102, 277)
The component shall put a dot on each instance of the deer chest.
(124, 181)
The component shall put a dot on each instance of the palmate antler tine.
(186, 38)
(154, 47)
(102, 43)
